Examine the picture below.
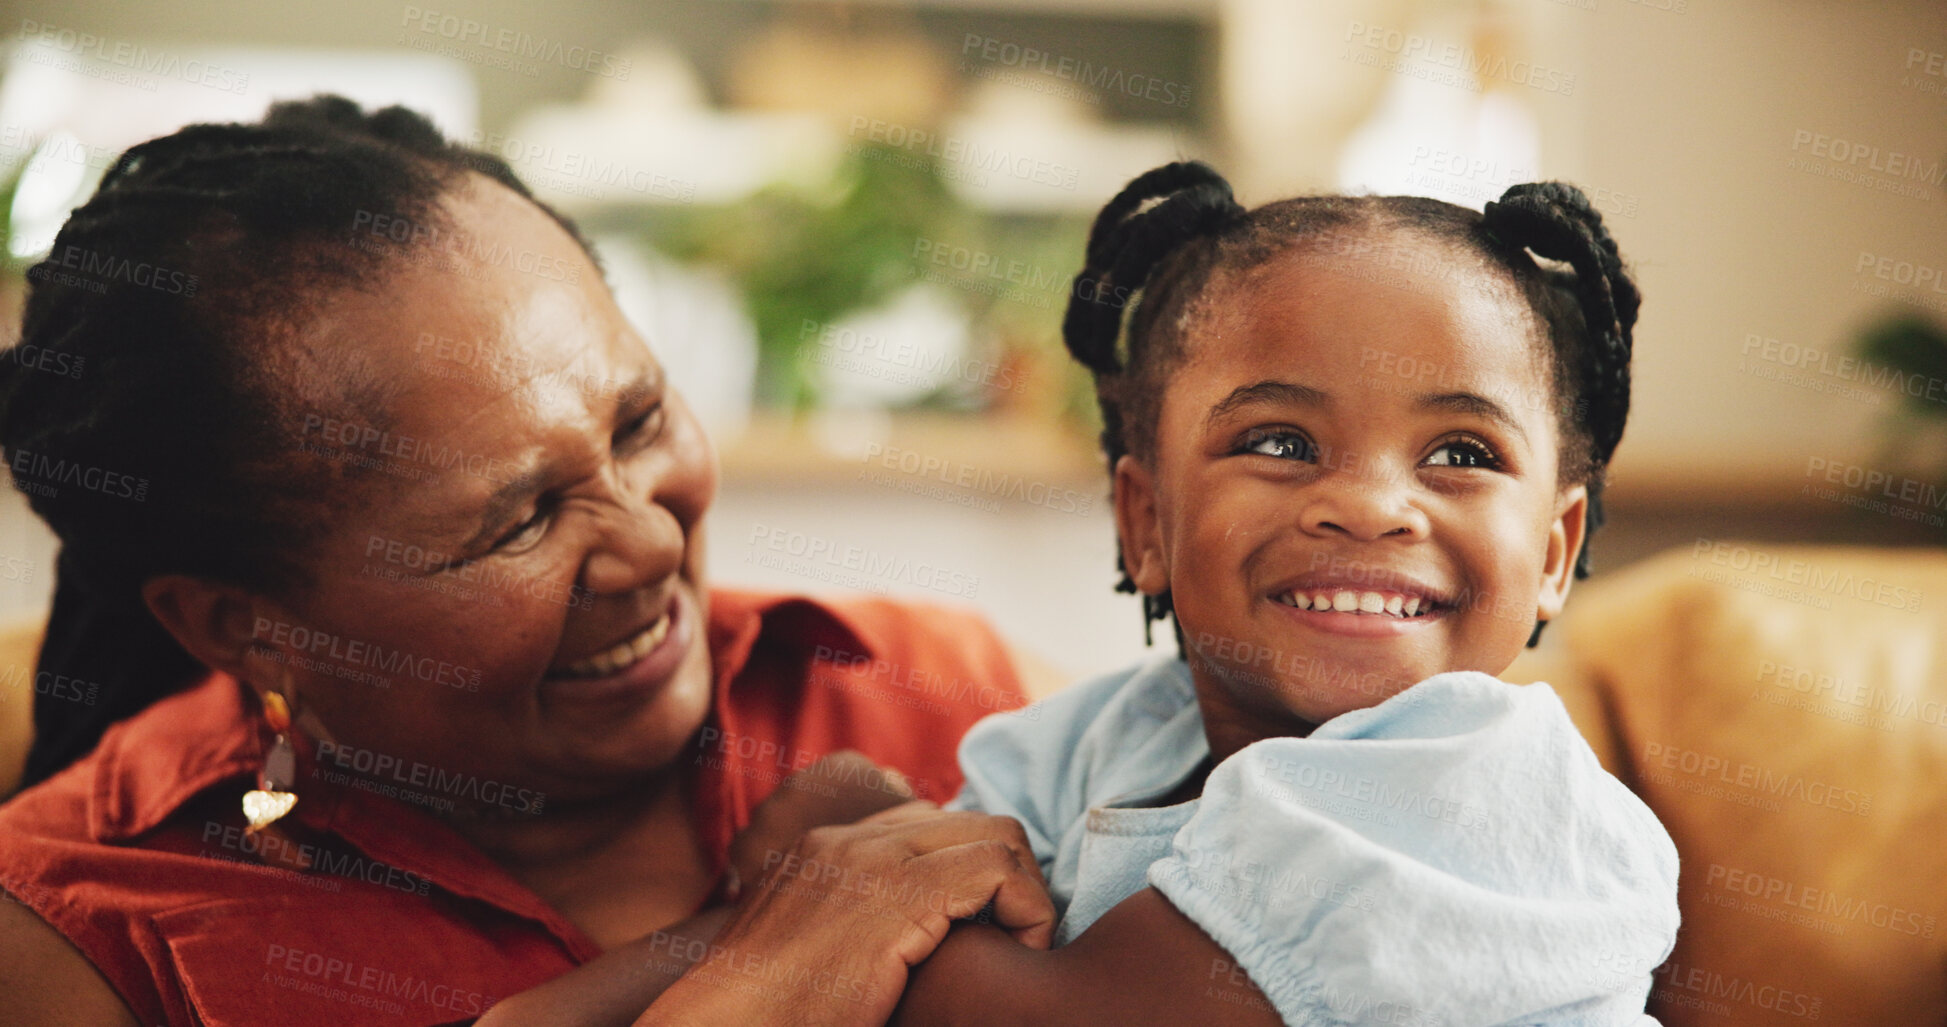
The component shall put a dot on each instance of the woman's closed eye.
(1283, 443)
(642, 429)
(525, 535)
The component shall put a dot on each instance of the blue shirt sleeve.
(1455, 854)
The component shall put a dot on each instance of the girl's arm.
(612, 989)
(1143, 962)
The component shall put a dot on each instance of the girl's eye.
(1281, 443)
(1463, 452)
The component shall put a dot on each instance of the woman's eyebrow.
(1476, 404)
(1268, 391)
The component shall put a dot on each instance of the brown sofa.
(1783, 710)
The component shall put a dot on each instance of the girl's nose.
(1364, 503)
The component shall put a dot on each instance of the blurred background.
(849, 229)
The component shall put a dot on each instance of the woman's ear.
(216, 623)
(1565, 538)
(1138, 528)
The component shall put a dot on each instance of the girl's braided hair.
(1160, 242)
(169, 298)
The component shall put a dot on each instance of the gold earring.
(272, 798)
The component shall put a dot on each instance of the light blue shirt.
(1453, 855)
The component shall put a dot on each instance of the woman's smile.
(638, 666)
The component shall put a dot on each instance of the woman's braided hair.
(170, 296)
(1160, 242)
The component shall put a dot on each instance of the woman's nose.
(642, 544)
(1364, 502)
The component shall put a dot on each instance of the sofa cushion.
(1784, 711)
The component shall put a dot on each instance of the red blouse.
(136, 853)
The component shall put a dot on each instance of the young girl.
(1357, 446)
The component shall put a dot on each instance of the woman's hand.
(839, 789)
(827, 933)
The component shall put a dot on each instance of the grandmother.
(398, 603)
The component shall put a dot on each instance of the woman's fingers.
(1015, 891)
(965, 879)
(924, 828)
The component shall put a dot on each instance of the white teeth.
(1347, 601)
(624, 654)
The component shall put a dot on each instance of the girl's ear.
(1565, 538)
(1138, 528)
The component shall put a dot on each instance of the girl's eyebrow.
(1476, 404)
(1269, 390)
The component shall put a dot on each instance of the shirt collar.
(208, 734)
